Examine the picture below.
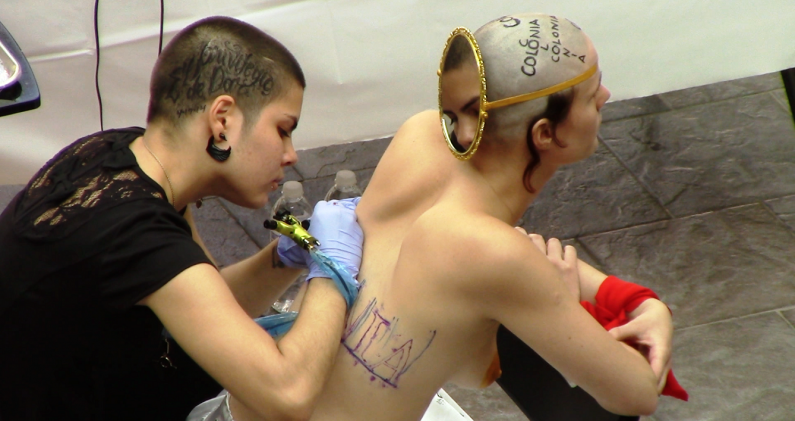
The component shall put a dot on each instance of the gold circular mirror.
(462, 94)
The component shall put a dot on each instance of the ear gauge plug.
(217, 153)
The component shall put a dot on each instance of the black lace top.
(87, 239)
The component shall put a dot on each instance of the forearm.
(590, 281)
(306, 356)
(312, 344)
(260, 280)
(277, 380)
(644, 397)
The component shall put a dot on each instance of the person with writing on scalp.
(443, 266)
(100, 252)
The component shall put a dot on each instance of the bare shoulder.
(424, 119)
(411, 170)
(482, 254)
(421, 131)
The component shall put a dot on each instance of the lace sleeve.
(93, 174)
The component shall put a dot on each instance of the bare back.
(409, 333)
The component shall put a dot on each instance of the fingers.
(660, 362)
(539, 242)
(570, 255)
(349, 203)
(660, 367)
(554, 248)
(621, 333)
(658, 354)
(662, 380)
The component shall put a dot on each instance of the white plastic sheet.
(370, 64)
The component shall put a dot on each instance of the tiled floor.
(691, 193)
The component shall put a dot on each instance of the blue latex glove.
(334, 225)
(290, 253)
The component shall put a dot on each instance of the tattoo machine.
(286, 224)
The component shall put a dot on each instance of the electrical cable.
(160, 45)
(96, 73)
(96, 42)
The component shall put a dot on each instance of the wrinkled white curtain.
(370, 64)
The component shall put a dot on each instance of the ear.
(224, 115)
(543, 134)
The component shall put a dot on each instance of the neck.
(499, 185)
(169, 162)
(493, 193)
(541, 175)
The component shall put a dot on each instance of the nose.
(290, 157)
(465, 132)
(605, 96)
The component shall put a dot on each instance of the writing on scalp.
(219, 67)
(509, 21)
(190, 110)
(558, 49)
(532, 44)
(556, 39)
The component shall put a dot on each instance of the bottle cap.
(292, 190)
(345, 178)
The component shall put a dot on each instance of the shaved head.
(526, 53)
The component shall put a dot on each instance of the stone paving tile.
(780, 95)
(708, 267)
(723, 90)
(583, 253)
(250, 220)
(784, 208)
(327, 160)
(224, 238)
(7, 193)
(489, 404)
(594, 195)
(711, 156)
(290, 174)
(735, 370)
(492, 404)
(789, 315)
(633, 107)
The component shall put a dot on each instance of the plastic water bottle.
(344, 187)
(292, 200)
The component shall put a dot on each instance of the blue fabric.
(278, 324)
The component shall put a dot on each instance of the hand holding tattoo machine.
(330, 247)
(287, 225)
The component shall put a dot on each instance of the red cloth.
(614, 299)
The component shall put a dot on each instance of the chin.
(594, 147)
(259, 203)
(250, 202)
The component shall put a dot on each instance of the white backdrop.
(370, 64)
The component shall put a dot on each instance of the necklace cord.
(170, 187)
